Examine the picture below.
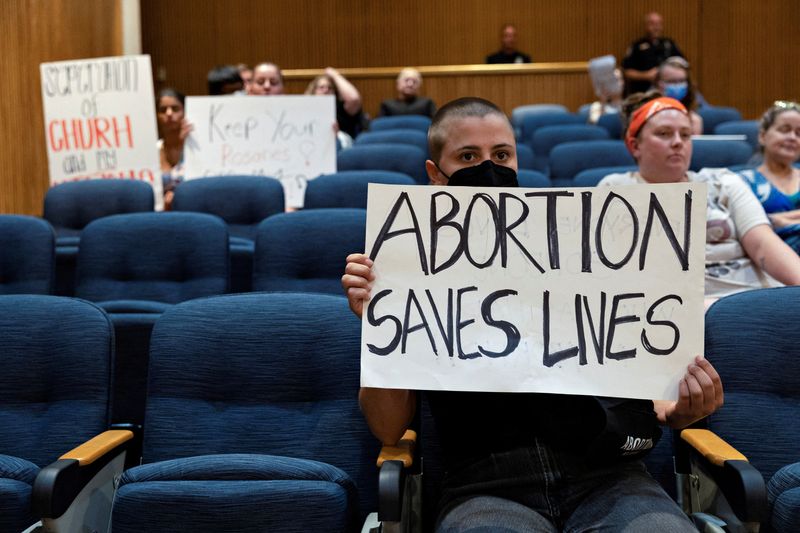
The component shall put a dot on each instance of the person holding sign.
(776, 182)
(174, 129)
(742, 250)
(530, 461)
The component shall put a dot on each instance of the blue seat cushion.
(236, 492)
(783, 491)
(16, 479)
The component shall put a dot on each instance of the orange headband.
(643, 114)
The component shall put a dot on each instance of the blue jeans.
(538, 489)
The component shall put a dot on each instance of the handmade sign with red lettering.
(99, 117)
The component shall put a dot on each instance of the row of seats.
(252, 419)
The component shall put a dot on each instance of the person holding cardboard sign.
(742, 250)
(529, 461)
(174, 129)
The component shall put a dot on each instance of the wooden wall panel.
(744, 52)
(32, 32)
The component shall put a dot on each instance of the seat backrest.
(532, 179)
(415, 122)
(414, 137)
(708, 153)
(752, 342)
(241, 201)
(54, 387)
(402, 158)
(520, 112)
(748, 128)
(714, 115)
(349, 188)
(530, 123)
(260, 373)
(70, 206)
(525, 157)
(27, 255)
(568, 159)
(612, 123)
(305, 251)
(164, 257)
(548, 137)
(592, 176)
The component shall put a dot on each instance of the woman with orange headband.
(742, 250)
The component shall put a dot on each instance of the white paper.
(665, 296)
(290, 138)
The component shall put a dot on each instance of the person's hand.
(186, 128)
(699, 395)
(651, 74)
(357, 281)
(781, 220)
(330, 71)
(168, 196)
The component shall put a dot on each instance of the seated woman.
(349, 114)
(742, 251)
(173, 129)
(673, 80)
(408, 101)
(776, 182)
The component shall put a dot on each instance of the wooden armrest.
(402, 451)
(91, 450)
(713, 448)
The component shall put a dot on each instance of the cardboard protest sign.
(579, 291)
(290, 138)
(100, 120)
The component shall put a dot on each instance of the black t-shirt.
(502, 57)
(416, 106)
(472, 425)
(350, 124)
(645, 54)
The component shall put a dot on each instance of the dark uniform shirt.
(645, 54)
(416, 106)
(502, 57)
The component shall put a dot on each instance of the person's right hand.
(357, 281)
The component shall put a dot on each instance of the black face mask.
(487, 174)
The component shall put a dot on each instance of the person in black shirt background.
(643, 57)
(508, 52)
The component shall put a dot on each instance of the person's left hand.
(186, 129)
(699, 394)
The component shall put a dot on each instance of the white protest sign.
(578, 291)
(601, 72)
(290, 138)
(100, 121)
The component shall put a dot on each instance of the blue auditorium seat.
(242, 202)
(568, 159)
(714, 115)
(416, 122)
(708, 153)
(70, 206)
(414, 137)
(520, 112)
(349, 188)
(402, 158)
(592, 176)
(532, 179)
(306, 251)
(57, 356)
(525, 157)
(547, 137)
(136, 266)
(253, 421)
(612, 123)
(530, 123)
(748, 128)
(27, 257)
